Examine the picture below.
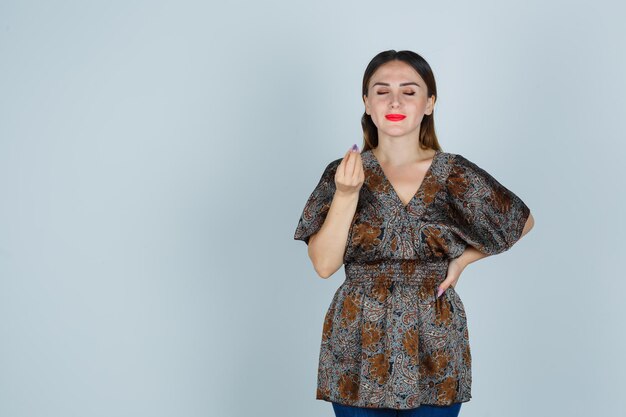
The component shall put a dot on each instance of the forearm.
(327, 247)
(471, 254)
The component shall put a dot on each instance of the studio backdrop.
(155, 158)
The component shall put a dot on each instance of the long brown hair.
(428, 137)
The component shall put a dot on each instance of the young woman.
(405, 219)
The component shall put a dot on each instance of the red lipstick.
(395, 117)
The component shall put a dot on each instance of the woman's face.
(396, 88)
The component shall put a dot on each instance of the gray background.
(155, 158)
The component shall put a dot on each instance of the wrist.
(462, 261)
(346, 195)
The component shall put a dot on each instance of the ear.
(430, 106)
(367, 106)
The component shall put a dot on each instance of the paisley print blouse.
(387, 340)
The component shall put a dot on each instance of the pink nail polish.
(439, 292)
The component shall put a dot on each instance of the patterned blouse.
(387, 340)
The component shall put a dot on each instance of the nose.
(395, 100)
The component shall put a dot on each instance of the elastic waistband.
(404, 271)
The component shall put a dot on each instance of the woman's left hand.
(455, 267)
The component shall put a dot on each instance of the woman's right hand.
(327, 247)
(349, 176)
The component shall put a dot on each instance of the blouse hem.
(331, 400)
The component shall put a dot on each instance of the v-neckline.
(393, 189)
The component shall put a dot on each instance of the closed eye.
(408, 94)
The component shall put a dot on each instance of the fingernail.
(355, 148)
(439, 292)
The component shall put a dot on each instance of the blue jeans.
(422, 411)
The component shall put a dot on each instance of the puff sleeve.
(316, 207)
(485, 214)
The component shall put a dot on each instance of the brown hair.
(428, 138)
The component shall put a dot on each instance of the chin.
(396, 132)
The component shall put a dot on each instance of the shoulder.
(456, 159)
(463, 174)
(452, 164)
(461, 165)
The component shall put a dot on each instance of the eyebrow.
(401, 85)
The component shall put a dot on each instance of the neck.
(401, 150)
